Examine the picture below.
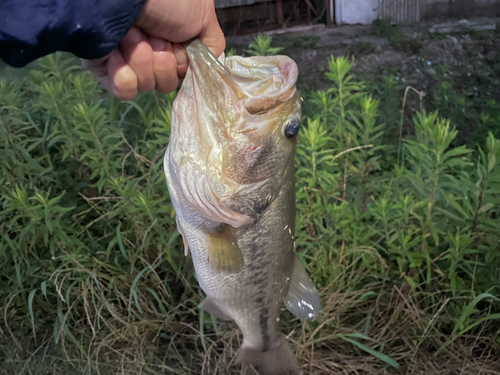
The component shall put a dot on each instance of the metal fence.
(400, 11)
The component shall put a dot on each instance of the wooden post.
(328, 19)
(279, 11)
(309, 20)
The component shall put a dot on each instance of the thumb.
(211, 34)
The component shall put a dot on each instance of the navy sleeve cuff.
(90, 29)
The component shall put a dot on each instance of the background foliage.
(401, 235)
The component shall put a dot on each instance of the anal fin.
(303, 298)
(224, 254)
(210, 307)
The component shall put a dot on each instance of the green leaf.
(479, 321)
(486, 207)
(43, 287)
(469, 310)
(120, 243)
(410, 282)
(382, 357)
(30, 309)
(134, 293)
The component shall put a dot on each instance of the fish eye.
(291, 129)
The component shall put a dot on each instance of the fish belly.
(254, 296)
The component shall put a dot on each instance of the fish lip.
(197, 48)
(258, 104)
(200, 53)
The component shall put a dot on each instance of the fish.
(229, 167)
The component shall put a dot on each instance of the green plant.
(289, 43)
(441, 69)
(230, 52)
(488, 121)
(452, 105)
(421, 217)
(94, 280)
(478, 34)
(439, 36)
(385, 28)
(83, 206)
(261, 46)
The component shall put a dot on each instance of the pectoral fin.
(303, 297)
(184, 238)
(210, 307)
(224, 254)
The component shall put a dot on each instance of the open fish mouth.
(261, 83)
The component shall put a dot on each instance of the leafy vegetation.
(396, 37)
(464, 90)
(401, 238)
(261, 46)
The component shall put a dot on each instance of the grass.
(396, 37)
(403, 250)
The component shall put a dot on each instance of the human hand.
(151, 55)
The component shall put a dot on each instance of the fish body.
(229, 169)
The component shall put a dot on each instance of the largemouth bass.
(230, 174)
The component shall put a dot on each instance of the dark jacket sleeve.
(89, 29)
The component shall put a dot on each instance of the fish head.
(246, 112)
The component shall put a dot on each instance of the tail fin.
(278, 360)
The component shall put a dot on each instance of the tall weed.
(93, 271)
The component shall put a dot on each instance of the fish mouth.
(209, 71)
(198, 52)
(202, 59)
(261, 83)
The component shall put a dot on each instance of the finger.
(182, 60)
(96, 67)
(211, 34)
(138, 54)
(121, 81)
(164, 65)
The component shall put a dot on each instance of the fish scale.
(231, 182)
(261, 247)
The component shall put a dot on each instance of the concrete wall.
(366, 11)
(356, 11)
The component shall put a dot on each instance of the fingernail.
(180, 55)
(134, 35)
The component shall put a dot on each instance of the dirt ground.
(458, 73)
(413, 60)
